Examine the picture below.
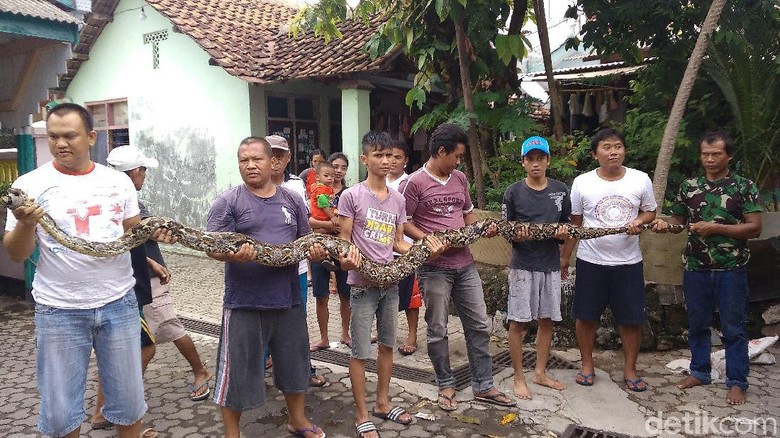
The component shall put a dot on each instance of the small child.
(321, 194)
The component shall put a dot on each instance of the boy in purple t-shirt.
(372, 217)
(437, 198)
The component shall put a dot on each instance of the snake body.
(291, 253)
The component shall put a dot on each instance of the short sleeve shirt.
(610, 204)
(549, 205)
(725, 201)
(276, 220)
(317, 194)
(374, 224)
(436, 205)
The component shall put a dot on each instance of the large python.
(291, 253)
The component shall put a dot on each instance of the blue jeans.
(65, 339)
(464, 287)
(729, 292)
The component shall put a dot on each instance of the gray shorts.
(246, 334)
(365, 302)
(161, 315)
(534, 295)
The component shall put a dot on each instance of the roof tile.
(37, 9)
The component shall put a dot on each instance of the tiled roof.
(37, 9)
(244, 38)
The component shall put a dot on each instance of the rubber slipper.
(149, 433)
(634, 385)
(394, 415)
(494, 399)
(204, 395)
(303, 431)
(407, 350)
(451, 404)
(102, 425)
(316, 381)
(318, 347)
(587, 379)
(347, 343)
(365, 428)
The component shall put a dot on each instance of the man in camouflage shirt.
(722, 211)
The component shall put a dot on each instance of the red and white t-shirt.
(92, 206)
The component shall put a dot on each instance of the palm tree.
(666, 150)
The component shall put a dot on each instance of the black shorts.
(405, 288)
(622, 287)
(147, 338)
(246, 334)
(320, 281)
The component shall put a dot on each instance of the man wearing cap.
(281, 176)
(160, 314)
(609, 268)
(81, 302)
(535, 269)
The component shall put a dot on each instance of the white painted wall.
(188, 114)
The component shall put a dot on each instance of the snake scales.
(291, 253)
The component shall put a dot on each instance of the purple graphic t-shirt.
(374, 224)
(434, 205)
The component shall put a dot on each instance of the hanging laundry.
(603, 109)
(574, 105)
(587, 107)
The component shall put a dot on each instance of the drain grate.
(399, 371)
(202, 327)
(503, 360)
(574, 431)
(462, 374)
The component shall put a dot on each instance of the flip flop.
(102, 425)
(494, 399)
(347, 343)
(203, 396)
(316, 381)
(365, 428)
(149, 433)
(451, 404)
(406, 350)
(303, 431)
(633, 385)
(318, 347)
(587, 379)
(394, 415)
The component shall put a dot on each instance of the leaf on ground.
(508, 418)
(466, 419)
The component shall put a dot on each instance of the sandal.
(204, 395)
(585, 379)
(303, 431)
(495, 399)
(394, 415)
(637, 385)
(406, 350)
(316, 381)
(450, 405)
(149, 433)
(365, 428)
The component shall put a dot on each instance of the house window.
(295, 118)
(155, 38)
(111, 123)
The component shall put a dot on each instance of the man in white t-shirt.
(609, 268)
(82, 302)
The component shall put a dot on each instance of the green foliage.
(4, 186)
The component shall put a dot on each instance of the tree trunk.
(556, 106)
(664, 162)
(468, 102)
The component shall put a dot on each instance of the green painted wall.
(190, 115)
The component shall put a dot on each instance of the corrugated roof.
(37, 9)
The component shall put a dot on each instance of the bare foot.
(689, 382)
(549, 382)
(736, 396)
(521, 390)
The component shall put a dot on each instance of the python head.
(14, 199)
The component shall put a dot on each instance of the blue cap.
(535, 142)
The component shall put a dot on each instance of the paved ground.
(606, 405)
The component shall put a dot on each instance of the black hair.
(315, 152)
(712, 137)
(376, 141)
(263, 142)
(400, 144)
(606, 134)
(336, 155)
(447, 136)
(322, 165)
(67, 108)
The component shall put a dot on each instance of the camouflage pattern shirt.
(725, 201)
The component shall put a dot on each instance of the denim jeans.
(464, 287)
(369, 303)
(65, 339)
(729, 292)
